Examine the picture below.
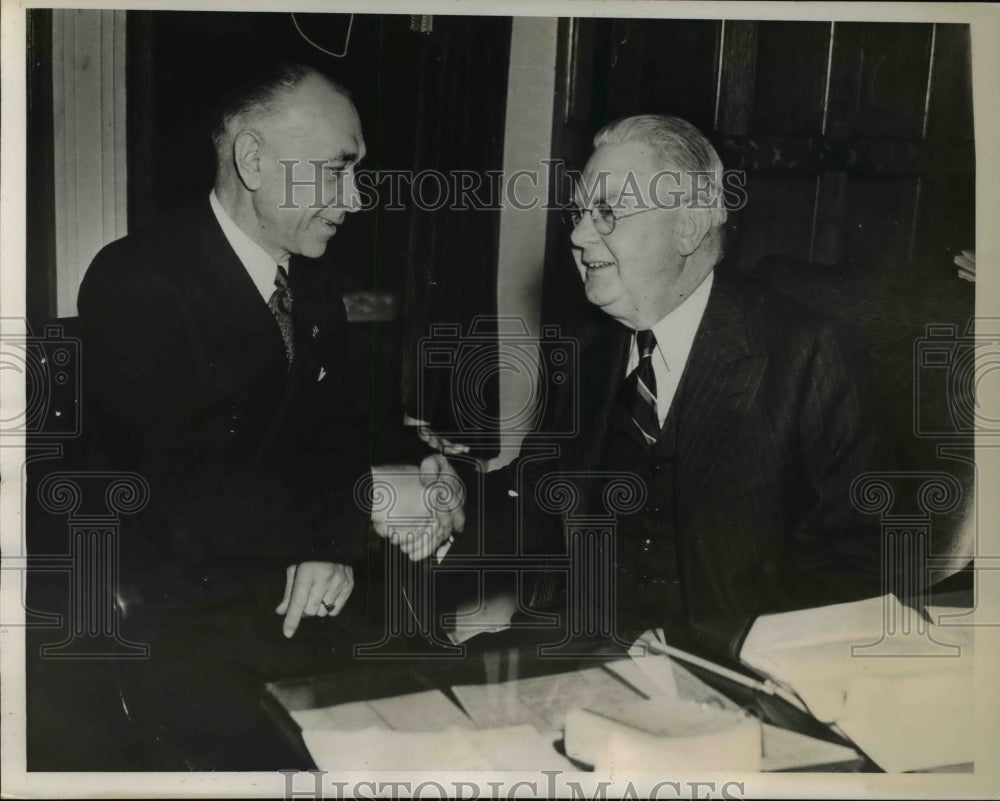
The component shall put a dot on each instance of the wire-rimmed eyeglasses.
(605, 218)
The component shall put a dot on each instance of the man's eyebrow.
(345, 156)
(599, 198)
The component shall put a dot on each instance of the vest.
(649, 587)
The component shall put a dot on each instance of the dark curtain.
(452, 254)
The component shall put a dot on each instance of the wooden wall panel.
(949, 113)
(894, 79)
(790, 77)
(680, 58)
(627, 40)
(736, 87)
(844, 92)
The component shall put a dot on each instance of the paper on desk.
(898, 686)
(378, 749)
(782, 749)
(661, 735)
(519, 748)
(857, 622)
(496, 705)
(423, 711)
(789, 750)
(912, 722)
(657, 676)
(511, 748)
(654, 667)
(818, 652)
(544, 701)
(342, 717)
(628, 671)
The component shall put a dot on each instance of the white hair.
(679, 146)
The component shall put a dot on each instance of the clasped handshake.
(416, 508)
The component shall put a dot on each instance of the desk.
(499, 661)
(493, 659)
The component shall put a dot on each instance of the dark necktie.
(642, 389)
(280, 305)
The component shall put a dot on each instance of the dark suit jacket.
(771, 431)
(186, 382)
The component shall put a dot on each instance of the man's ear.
(246, 156)
(692, 227)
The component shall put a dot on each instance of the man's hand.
(445, 493)
(314, 589)
(425, 507)
(439, 443)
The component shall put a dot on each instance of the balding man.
(739, 414)
(218, 367)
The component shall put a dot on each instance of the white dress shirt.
(674, 338)
(255, 260)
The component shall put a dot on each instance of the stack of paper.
(664, 734)
(667, 681)
(896, 684)
(420, 731)
(966, 261)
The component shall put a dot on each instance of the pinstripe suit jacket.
(772, 428)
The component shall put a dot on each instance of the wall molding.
(88, 88)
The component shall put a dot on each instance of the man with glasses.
(739, 414)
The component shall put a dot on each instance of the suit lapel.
(249, 337)
(722, 378)
(603, 356)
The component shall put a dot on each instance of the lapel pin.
(315, 331)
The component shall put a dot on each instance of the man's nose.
(350, 197)
(584, 232)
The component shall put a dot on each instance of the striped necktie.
(642, 389)
(280, 305)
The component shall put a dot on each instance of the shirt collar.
(255, 260)
(675, 332)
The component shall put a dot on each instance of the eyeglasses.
(602, 214)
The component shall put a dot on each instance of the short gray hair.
(678, 145)
(260, 93)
